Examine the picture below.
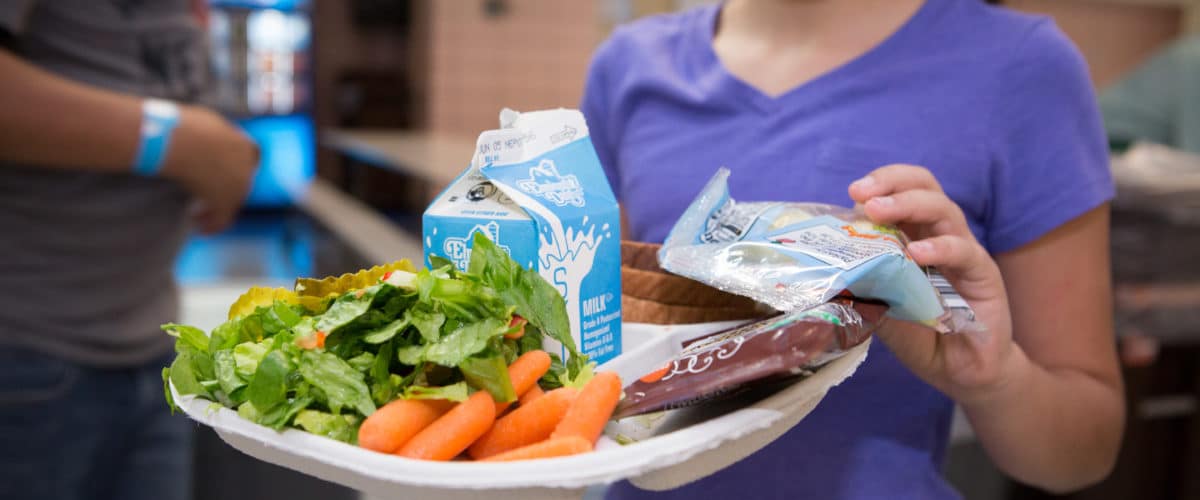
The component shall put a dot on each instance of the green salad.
(324, 356)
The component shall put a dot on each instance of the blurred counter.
(433, 158)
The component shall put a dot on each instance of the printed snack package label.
(536, 188)
(795, 256)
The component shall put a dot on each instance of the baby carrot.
(591, 409)
(526, 425)
(554, 447)
(453, 432)
(524, 374)
(390, 427)
(530, 395)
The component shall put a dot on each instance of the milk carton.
(536, 188)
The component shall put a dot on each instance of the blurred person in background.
(102, 163)
(973, 127)
(1159, 101)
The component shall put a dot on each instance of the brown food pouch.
(730, 361)
(651, 295)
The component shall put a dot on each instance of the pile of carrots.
(545, 424)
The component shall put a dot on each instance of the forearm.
(1055, 429)
(50, 121)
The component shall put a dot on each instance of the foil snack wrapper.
(730, 362)
(796, 256)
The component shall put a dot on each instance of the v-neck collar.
(710, 65)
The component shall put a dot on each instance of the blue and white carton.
(536, 188)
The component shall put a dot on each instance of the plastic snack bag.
(796, 256)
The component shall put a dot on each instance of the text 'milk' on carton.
(536, 188)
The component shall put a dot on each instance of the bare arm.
(52, 122)
(1058, 423)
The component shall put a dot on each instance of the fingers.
(931, 210)
(893, 179)
(211, 220)
(954, 255)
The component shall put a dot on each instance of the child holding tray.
(974, 128)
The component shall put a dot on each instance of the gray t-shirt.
(86, 258)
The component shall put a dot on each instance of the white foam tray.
(671, 452)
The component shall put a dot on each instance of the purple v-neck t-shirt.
(996, 104)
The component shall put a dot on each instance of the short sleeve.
(1142, 104)
(597, 111)
(14, 15)
(1051, 156)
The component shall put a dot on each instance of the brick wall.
(532, 55)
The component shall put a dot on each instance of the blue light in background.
(267, 248)
(261, 4)
(288, 163)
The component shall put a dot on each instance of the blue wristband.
(159, 118)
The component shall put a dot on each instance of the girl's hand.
(966, 366)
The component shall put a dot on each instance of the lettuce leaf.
(226, 336)
(386, 332)
(465, 299)
(189, 336)
(428, 323)
(183, 375)
(347, 308)
(363, 362)
(268, 387)
(383, 388)
(225, 367)
(535, 299)
(342, 428)
(460, 344)
(342, 385)
(247, 355)
(489, 371)
(453, 392)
